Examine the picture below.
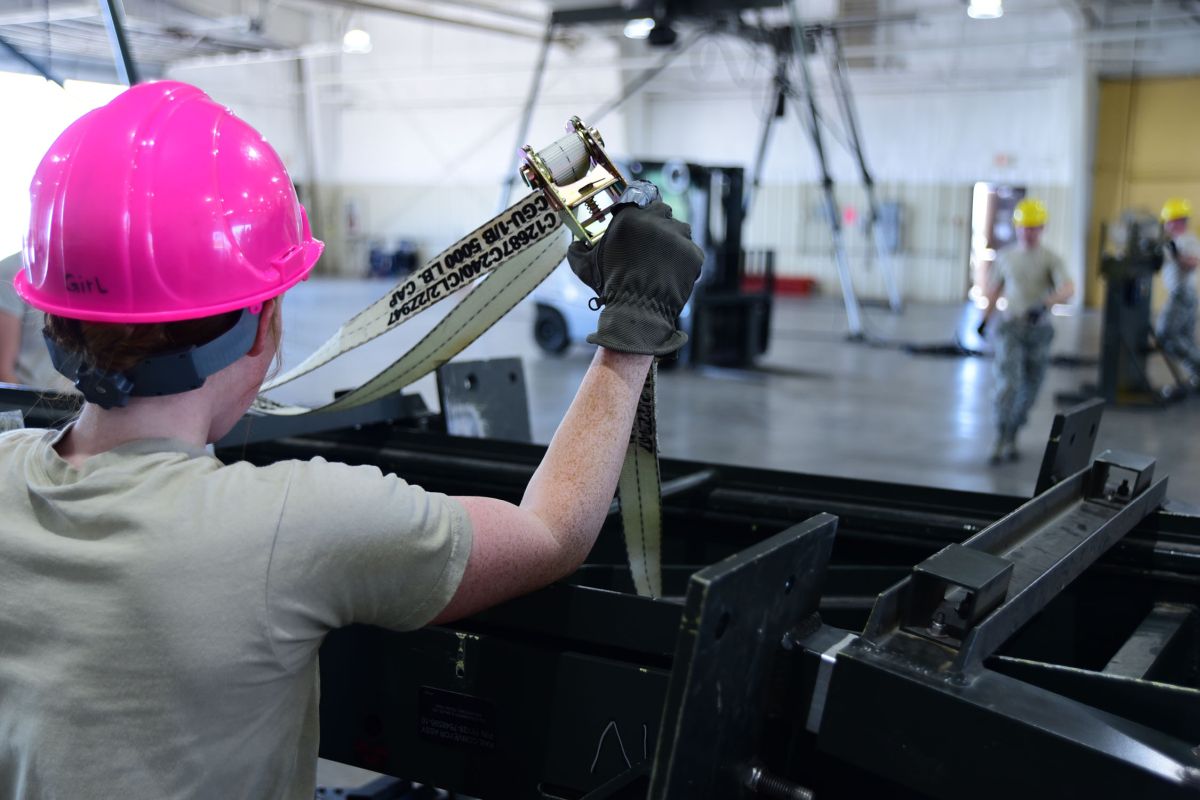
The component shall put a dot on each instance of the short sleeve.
(10, 301)
(356, 545)
(996, 273)
(1058, 271)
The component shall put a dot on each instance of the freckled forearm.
(574, 485)
(10, 346)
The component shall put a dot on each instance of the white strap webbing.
(640, 490)
(523, 241)
(514, 252)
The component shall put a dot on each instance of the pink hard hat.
(162, 206)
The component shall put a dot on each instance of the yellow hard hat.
(1175, 208)
(1029, 213)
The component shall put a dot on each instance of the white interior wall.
(43, 111)
(925, 148)
(264, 94)
(417, 135)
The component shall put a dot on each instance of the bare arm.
(517, 549)
(1061, 295)
(10, 346)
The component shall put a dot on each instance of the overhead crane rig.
(792, 44)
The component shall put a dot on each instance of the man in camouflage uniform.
(1177, 322)
(1025, 281)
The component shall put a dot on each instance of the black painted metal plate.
(485, 399)
(736, 614)
(1072, 438)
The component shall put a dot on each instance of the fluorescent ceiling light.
(639, 28)
(356, 40)
(985, 9)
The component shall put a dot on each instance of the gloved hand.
(642, 271)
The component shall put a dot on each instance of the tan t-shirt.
(1027, 277)
(34, 367)
(160, 612)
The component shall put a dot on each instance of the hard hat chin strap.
(173, 372)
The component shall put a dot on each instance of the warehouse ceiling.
(68, 38)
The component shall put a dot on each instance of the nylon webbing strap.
(640, 490)
(514, 252)
(511, 240)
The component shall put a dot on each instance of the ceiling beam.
(423, 12)
(33, 63)
(498, 10)
(56, 14)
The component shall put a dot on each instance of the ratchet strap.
(640, 490)
(513, 253)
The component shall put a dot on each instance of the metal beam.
(600, 14)
(619, 12)
(841, 86)
(114, 21)
(497, 10)
(535, 87)
(1151, 643)
(684, 484)
(636, 85)
(849, 298)
(423, 14)
(774, 111)
(37, 66)
(314, 150)
(44, 15)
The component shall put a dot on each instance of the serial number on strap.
(460, 268)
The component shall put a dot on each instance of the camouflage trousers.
(1177, 330)
(1022, 355)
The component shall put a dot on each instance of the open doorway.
(992, 229)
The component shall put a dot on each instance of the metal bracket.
(955, 589)
(1112, 473)
(485, 399)
(970, 598)
(1069, 449)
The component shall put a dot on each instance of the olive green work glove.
(642, 271)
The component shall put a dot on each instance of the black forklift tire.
(550, 330)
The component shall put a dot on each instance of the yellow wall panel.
(1166, 124)
(1147, 149)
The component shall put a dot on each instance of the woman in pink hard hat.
(160, 612)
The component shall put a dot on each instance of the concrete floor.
(818, 403)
